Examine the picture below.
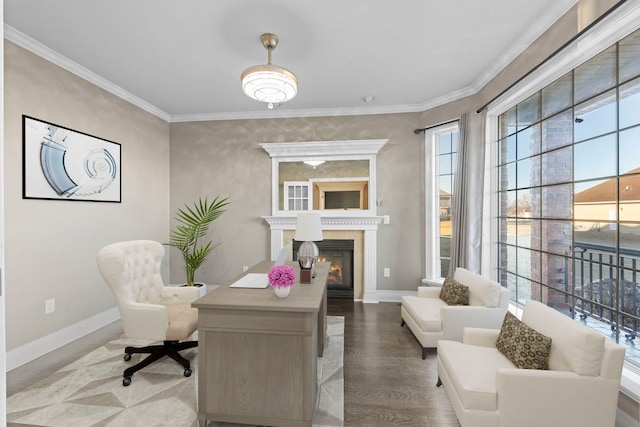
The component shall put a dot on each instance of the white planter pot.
(282, 292)
(201, 287)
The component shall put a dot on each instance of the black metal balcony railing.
(605, 285)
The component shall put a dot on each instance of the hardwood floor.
(385, 379)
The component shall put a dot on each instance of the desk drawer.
(302, 323)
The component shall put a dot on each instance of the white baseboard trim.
(393, 296)
(624, 420)
(30, 351)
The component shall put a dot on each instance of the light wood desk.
(257, 353)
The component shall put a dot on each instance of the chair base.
(156, 352)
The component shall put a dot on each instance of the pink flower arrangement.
(281, 276)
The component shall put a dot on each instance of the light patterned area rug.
(89, 391)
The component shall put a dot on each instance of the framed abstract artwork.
(63, 164)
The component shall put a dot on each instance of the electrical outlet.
(387, 272)
(49, 306)
(245, 268)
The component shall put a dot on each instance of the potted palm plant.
(193, 226)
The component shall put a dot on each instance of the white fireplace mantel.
(332, 222)
(365, 220)
(367, 224)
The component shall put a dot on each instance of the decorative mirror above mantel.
(335, 177)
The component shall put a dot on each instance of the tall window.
(569, 194)
(447, 160)
(441, 160)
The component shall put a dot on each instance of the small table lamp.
(308, 230)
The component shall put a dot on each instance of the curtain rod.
(417, 131)
(571, 40)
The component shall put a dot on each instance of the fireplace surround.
(362, 230)
(339, 253)
(359, 225)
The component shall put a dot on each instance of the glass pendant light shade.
(269, 83)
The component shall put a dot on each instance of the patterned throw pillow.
(523, 346)
(454, 293)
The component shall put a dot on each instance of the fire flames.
(335, 271)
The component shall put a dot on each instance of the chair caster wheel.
(126, 381)
(127, 357)
(187, 372)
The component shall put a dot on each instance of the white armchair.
(149, 310)
(431, 319)
(580, 389)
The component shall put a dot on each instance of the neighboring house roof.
(444, 193)
(606, 191)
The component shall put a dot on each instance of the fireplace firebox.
(340, 254)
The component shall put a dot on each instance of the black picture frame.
(59, 163)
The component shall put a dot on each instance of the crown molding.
(26, 42)
(30, 44)
(54, 57)
(328, 112)
(531, 35)
(289, 113)
(613, 28)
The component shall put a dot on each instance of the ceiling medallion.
(269, 83)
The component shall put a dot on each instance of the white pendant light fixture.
(269, 83)
(314, 163)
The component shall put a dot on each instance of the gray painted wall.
(51, 246)
(223, 157)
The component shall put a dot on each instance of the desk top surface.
(302, 297)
